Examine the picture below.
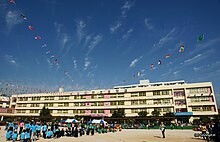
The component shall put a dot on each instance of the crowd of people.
(33, 131)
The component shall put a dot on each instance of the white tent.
(99, 121)
(72, 120)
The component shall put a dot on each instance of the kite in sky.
(159, 62)
(151, 66)
(12, 1)
(201, 37)
(168, 56)
(48, 52)
(181, 48)
(139, 73)
(23, 16)
(44, 45)
(31, 27)
(37, 37)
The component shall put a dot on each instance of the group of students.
(26, 132)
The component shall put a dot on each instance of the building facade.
(176, 96)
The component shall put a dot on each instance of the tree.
(142, 113)
(155, 113)
(118, 113)
(45, 114)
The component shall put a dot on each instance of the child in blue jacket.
(8, 134)
(14, 136)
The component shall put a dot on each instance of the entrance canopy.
(183, 114)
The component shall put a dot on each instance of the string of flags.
(54, 59)
(181, 49)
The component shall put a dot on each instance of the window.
(156, 93)
(141, 94)
(112, 111)
(94, 96)
(75, 111)
(198, 90)
(83, 97)
(120, 95)
(165, 92)
(76, 104)
(66, 104)
(82, 111)
(35, 105)
(82, 104)
(134, 94)
(142, 102)
(166, 101)
(36, 111)
(31, 111)
(65, 111)
(51, 111)
(196, 108)
(93, 111)
(94, 104)
(134, 110)
(134, 102)
(100, 111)
(51, 98)
(76, 97)
(50, 105)
(100, 96)
(113, 103)
(166, 109)
(113, 96)
(206, 108)
(100, 103)
(62, 111)
(121, 103)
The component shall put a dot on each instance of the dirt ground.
(127, 135)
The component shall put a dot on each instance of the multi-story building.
(4, 101)
(183, 99)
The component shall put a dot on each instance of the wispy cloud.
(128, 33)
(12, 18)
(80, 27)
(199, 57)
(87, 63)
(148, 25)
(62, 36)
(87, 39)
(74, 63)
(116, 26)
(66, 42)
(135, 61)
(10, 59)
(165, 38)
(95, 41)
(192, 59)
(126, 7)
(175, 73)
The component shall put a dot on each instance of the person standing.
(162, 128)
(21, 126)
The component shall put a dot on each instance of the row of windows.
(100, 96)
(200, 99)
(202, 108)
(198, 90)
(164, 92)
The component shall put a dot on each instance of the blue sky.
(101, 43)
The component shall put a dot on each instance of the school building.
(189, 100)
